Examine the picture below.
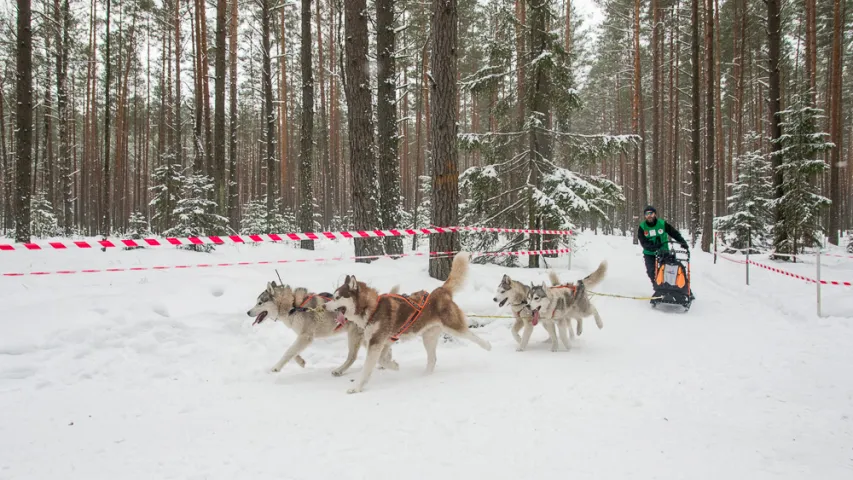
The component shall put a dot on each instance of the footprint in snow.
(161, 310)
(217, 291)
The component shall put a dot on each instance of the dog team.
(379, 320)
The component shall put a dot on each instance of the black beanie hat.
(649, 208)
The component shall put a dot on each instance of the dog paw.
(300, 361)
(353, 390)
(337, 373)
(275, 369)
(392, 365)
(519, 349)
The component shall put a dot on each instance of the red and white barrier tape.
(272, 237)
(800, 277)
(725, 257)
(276, 262)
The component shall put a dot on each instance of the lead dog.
(387, 318)
(302, 312)
(564, 302)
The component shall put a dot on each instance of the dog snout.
(249, 313)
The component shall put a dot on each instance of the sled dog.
(564, 302)
(388, 318)
(302, 312)
(515, 293)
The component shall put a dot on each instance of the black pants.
(650, 267)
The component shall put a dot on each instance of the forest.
(211, 117)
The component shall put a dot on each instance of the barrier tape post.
(571, 249)
(716, 234)
(818, 283)
(748, 245)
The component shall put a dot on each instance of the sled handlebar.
(675, 251)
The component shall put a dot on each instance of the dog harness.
(324, 296)
(419, 308)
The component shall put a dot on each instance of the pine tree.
(196, 215)
(137, 228)
(167, 182)
(43, 220)
(800, 149)
(752, 195)
(257, 220)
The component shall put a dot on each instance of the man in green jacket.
(654, 234)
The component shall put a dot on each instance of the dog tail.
(597, 276)
(458, 272)
(395, 290)
(555, 280)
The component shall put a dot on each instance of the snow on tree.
(137, 228)
(195, 214)
(43, 222)
(257, 220)
(533, 150)
(750, 202)
(167, 181)
(801, 147)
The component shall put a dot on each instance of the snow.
(161, 375)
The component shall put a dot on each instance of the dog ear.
(352, 283)
(271, 287)
(505, 280)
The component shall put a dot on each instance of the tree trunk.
(695, 182)
(362, 148)
(386, 119)
(708, 191)
(445, 173)
(24, 124)
(105, 182)
(62, 40)
(306, 142)
(774, 30)
(233, 200)
(327, 176)
(266, 80)
(811, 49)
(7, 169)
(219, 110)
(657, 180)
(179, 146)
(639, 120)
(539, 88)
(836, 168)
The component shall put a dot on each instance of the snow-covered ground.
(160, 375)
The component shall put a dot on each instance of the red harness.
(419, 308)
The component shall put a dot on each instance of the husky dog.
(515, 293)
(302, 312)
(562, 303)
(386, 318)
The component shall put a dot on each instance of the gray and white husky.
(564, 302)
(515, 293)
(303, 313)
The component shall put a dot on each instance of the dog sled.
(672, 278)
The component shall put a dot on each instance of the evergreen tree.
(537, 158)
(256, 219)
(43, 222)
(137, 228)
(800, 149)
(752, 195)
(167, 181)
(196, 215)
